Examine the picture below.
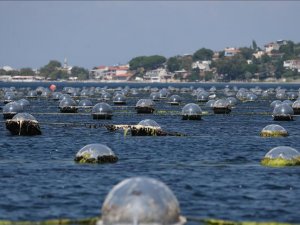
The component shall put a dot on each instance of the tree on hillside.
(26, 72)
(147, 62)
(51, 67)
(288, 50)
(247, 53)
(203, 54)
(173, 64)
(254, 45)
(3, 72)
(80, 72)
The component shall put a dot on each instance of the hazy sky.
(92, 33)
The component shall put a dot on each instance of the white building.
(202, 65)
(258, 54)
(157, 75)
(292, 64)
(229, 52)
(111, 72)
(7, 68)
(274, 46)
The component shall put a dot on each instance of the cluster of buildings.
(109, 73)
(122, 72)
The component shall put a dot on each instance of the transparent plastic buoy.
(143, 201)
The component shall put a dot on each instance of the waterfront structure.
(111, 73)
(158, 75)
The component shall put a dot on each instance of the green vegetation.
(80, 72)
(268, 133)
(228, 222)
(203, 54)
(147, 62)
(280, 162)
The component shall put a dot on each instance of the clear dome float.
(283, 112)
(163, 93)
(145, 106)
(275, 103)
(281, 156)
(106, 96)
(24, 103)
(102, 111)
(143, 201)
(119, 99)
(154, 96)
(191, 111)
(202, 96)
(32, 94)
(11, 109)
(95, 153)
(68, 105)
(210, 103)
(9, 97)
(23, 124)
(273, 130)
(296, 107)
(85, 103)
(175, 100)
(222, 106)
(146, 127)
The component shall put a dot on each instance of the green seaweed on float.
(228, 222)
(140, 130)
(85, 221)
(274, 134)
(280, 162)
(86, 158)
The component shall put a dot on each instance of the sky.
(94, 33)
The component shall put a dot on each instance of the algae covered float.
(95, 153)
(23, 124)
(146, 127)
(281, 156)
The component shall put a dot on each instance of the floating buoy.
(102, 111)
(283, 112)
(281, 156)
(222, 106)
(191, 111)
(296, 107)
(23, 124)
(95, 153)
(141, 200)
(119, 99)
(273, 130)
(145, 106)
(68, 105)
(11, 109)
(175, 100)
(52, 87)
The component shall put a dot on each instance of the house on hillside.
(158, 75)
(292, 64)
(258, 54)
(111, 73)
(274, 46)
(202, 65)
(229, 52)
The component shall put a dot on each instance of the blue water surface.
(214, 171)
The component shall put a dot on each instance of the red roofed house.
(111, 72)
